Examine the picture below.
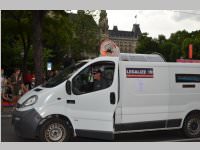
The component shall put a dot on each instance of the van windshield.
(63, 75)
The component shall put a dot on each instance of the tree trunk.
(24, 65)
(27, 45)
(37, 45)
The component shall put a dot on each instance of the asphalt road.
(8, 135)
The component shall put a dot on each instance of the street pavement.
(8, 135)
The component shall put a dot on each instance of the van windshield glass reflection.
(63, 75)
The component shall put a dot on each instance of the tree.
(85, 35)
(17, 34)
(48, 36)
(16, 39)
(173, 48)
(178, 38)
(161, 39)
(147, 45)
(169, 51)
(37, 45)
(57, 36)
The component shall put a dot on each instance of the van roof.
(141, 57)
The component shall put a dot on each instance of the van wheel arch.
(191, 117)
(193, 112)
(56, 116)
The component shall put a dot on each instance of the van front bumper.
(26, 123)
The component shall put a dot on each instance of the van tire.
(55, 130)
(191, 126)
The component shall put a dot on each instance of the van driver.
(99, 81)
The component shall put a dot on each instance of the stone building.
(126, 40)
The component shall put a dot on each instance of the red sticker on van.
(139, 72)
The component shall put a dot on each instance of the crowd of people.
(16, 85)
(13, 87)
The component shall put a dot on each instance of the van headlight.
(30, 101)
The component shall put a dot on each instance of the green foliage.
(63, 34)
(16, 37)
(85, 35)
(57, 35)
(47, 54)
(147, 45)
(173, 48)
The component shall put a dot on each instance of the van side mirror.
(68, 87)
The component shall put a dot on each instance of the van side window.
(187, 78)
(95, 77)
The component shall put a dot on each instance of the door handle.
(71, 101)
(188, 86)
(112, 98)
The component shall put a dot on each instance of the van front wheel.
(55, 130)
(191, 126)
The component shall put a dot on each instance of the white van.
(113, 95)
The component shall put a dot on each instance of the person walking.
(28, 79)
(7, 95)
(22, 89)
(3, 81)
(16, 79)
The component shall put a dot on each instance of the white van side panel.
(144, 99)
(183, 100)
(89, 116)
(60, 109)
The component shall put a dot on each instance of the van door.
(144, 96)
(94, 99)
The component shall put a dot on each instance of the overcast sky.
(155, 22)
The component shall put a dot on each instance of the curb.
(185, 140)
